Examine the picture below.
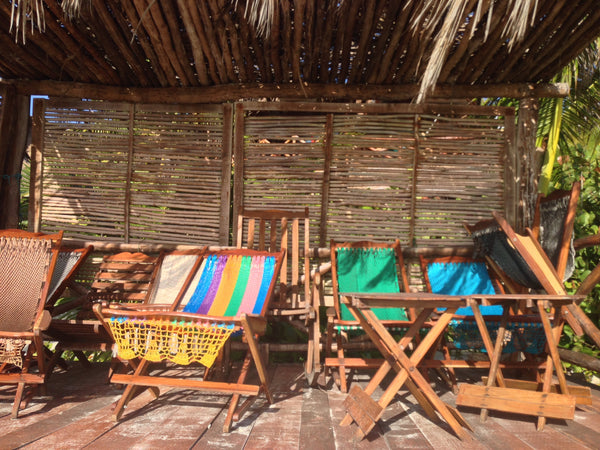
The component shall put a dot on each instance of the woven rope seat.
(226, 286)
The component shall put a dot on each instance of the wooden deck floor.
(76, 413)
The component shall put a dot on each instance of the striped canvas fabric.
(231, 285)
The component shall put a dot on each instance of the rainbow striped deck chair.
(229, 293)
(365, 267)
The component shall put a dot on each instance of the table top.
(429, 300)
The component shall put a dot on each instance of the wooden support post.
(529, 160)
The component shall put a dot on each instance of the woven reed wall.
(163, 174)
(416, 174)
(134, 173)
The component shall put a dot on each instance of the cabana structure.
(156, 123)
(162, 115)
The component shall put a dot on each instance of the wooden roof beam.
(234, 92)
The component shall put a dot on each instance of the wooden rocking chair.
(27, 261)
(276, 230)
(362, 267)
(232, 293)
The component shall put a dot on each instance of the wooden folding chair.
(68, 263)
(124, 278)
(276, 230)
(27, 261)
(553, 224)
(362, 267)
(232, 293)
(522, 258)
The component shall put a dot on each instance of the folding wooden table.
(361, 407)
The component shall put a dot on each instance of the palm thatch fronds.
(32, 11)
(441, 20)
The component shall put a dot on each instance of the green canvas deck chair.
(27, 261)
(231, 294)
(365, 267)
(289, 230)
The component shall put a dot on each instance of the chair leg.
(129, 391)
(17, 404)
(342, 368)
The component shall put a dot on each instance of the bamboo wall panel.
(176, 177)
(132, 174)
(417, 176)
(85, 158)
(371, 177)
(283, 163)
(460, 173)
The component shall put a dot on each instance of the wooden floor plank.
(316, 421)
(76, 413)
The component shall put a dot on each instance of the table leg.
(496, 353)
(553, 362)
(408, 366)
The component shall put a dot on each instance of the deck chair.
(123, 278)
(457, 275)
(27, 261)
(364, 267)
(522, 258)
(69, 261)
(275, 230)
(232, 293)
(553, 223)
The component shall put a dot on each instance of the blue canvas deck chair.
(231, 293)
(457, 275)
(27, 261)
(365, 267)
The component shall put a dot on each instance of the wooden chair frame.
(41, 318)
(123, 278)
(252, 325)
(275, 230)
(334, 316)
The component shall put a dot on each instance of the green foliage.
(582, 162)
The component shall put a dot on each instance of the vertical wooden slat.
(513, 172)
(225, 219)
(327, 148)
(413, 195)
(238, 160)
(35, 180)
(529, 154)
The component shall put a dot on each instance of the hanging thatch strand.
(260, 13)
(33, 11)
(24, 11)
(449, 16)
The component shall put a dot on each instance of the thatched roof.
(307, 43)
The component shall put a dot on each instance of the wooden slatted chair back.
(124, 277)
(277, 230)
